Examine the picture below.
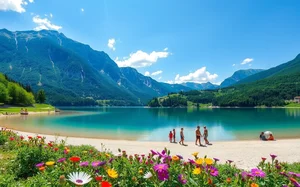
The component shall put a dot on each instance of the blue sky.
(175, 41)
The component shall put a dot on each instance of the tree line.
(14, 93)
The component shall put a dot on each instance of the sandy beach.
(245, 154)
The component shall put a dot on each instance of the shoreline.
(252, 150)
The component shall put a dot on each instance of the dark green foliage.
(41, 96)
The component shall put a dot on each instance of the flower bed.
(34, 162)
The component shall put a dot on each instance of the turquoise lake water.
(154, 124)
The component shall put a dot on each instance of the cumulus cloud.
(31, 1)
(166, 49)
(247, 60)
(13, 5)
(199, 76)
(156, 73)
(147, 73)
(142, 59)
(44, 23)
(111, 44)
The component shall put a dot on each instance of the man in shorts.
(198, 135)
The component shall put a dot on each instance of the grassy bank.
(34, 108)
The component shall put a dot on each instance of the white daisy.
(79, 178)
(148, 175)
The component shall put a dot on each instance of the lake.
(154, 124)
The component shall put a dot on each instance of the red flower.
(98, 178)
(263, 158)
(11, 138)
(39, 137)
(22, 137)
(50, 144)
(105, 184)
(56, 149)
(29, 137)
(75, 159)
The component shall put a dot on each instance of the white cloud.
(13, 5)
(156, 73)
(31, 1)
(166, 49)
(147, 73)
(111, 43)
(142, 59)
(199, 76)
(159, 78)
(247, 60)
(233, 64)
(82, 10)
(44, 24)
(51, 15)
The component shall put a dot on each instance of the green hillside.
(13, 93)
(273, 90)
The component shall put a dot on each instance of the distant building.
(297, 99)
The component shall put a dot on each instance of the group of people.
(266, 136)
(172, 136)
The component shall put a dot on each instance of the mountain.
(288, 68)
(272, 87)
(71, 72)
(200, 86)
(238, 76)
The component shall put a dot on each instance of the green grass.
(34, 108)
(293, 105)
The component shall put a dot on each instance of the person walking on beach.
(170, 136)
(174, 136)
(206, 135)
(181, 137)
(198, 135)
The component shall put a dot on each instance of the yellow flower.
(175, 158)
(50, 163)
(209, 161)
(140, 171)
(112, 173)
(195, 154)
(254, 185)
(108, 155)
(199, 161)
(197, 171)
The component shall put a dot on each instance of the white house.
(297, 99)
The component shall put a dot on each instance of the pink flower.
(161, 167)
(258, 173)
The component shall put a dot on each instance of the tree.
(41, 96)
(3, 93)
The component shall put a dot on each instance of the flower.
(61, 160)
(214, 171)
(209, 181)
(182, 179)
(216, 159)
(140, 171)
(84, 164)
(22, 137)
(258, 173)
(148, 175)
(50, 144)
(196, 171)
(50, 163)
(42, 168)
(228, 180)
(175, 158)
(273, 156)
(29, 137)
(40, 165)
(180, 157)
(162, 176)
(95, 164)
(195, 154)
(295, 182)
(79, 178)
(39, 137)
(75, 159)
(199, 161)
(263, 159)
(11, 138)
(153, 152)
(254, 184)
(208, 161)
(229, 161)
(160, 167)
(191, 161)
(98, 178)
(102, 163)
(105, 184)
(112, 173)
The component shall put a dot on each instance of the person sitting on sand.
(170, 136)
(262, 136)
(206, 136)
(198, 135)
(174, 136)
(271, 138)
(181, 137)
